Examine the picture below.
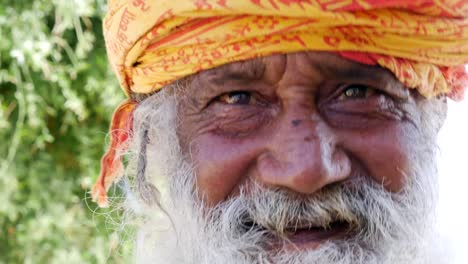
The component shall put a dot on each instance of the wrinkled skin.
(300, 121)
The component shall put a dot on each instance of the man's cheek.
(385, 155)
(222, 165)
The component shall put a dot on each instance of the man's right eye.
(237, 98)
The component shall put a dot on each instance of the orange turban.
(153, 43)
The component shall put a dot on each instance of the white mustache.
(361, 204)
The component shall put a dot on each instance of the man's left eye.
(237, 98)
(357, 91)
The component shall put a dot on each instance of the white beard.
(387, 227)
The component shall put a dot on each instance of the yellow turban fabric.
(152, 43)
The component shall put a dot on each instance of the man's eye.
(240, 98)
(357, 91)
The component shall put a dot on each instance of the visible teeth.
(309, 226)
(325, 226)
(250, 225)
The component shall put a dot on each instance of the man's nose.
(302, 156)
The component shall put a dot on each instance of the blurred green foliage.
(57, 94)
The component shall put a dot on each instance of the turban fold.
(153, 43)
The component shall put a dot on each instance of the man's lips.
(312, 237)
(305, 236)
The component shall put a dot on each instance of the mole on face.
(296, 122)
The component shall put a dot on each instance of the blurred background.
(57, 94)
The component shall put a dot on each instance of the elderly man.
(282, 131)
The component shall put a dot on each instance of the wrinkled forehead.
(324, 66)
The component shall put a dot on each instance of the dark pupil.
(239, 98)
(356, 91)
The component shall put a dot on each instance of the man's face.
(300, 121)
(300, 153)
